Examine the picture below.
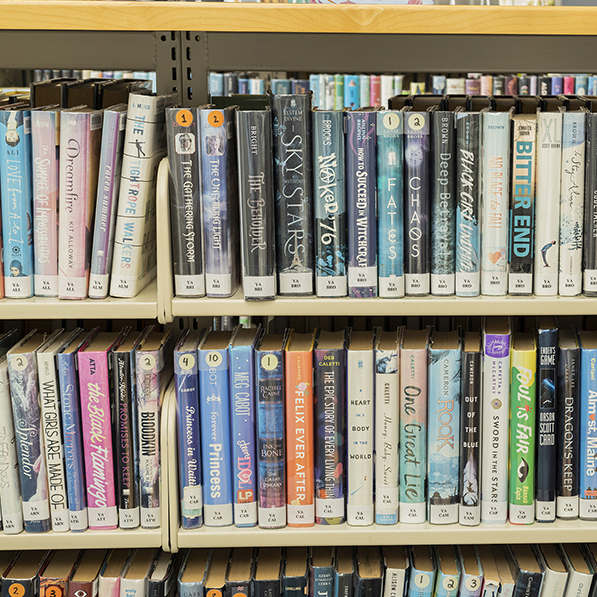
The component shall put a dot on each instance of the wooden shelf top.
(110, 15)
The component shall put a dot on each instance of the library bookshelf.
(184, 40)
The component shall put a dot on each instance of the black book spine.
(470, 435)
(443, 220)
(230, 83)
(343, 584)
(185, 202)
(237, 588)
(544, 85)
(568, 422)
(590, 236)
(546, 424)
(528, 584)
(267, 588)
(295, 586)
(293, 183)
(256, 197)
(368, 587)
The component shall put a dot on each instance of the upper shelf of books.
(94, 15)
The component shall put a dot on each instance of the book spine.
(244, 463)
(330, 430)
(523, 414)
(494, 424)
(322, 580)
(185, 203)
(386, 436)
(390, 203)
(12, 514)
(351, 92)
(257, 212)
(522, 206)
(45, 133)
(214, 404)
(314, 88)
(80, 139)
(147, 369)
(590, 236)
(568, 424)
(22, 371)
(53, 587)
(413, 435)
(360, 420)
(547, 219)
(295, 248)
(443, 433)
(446, 585)
(126, 446)
(107, 199)
(416, 203)
(443, 205)
(330, 204)
(375, 90)
(300, 504)
(468, 206)
(52, 441)
(364, 90)
(186, 381)
(547, 344)
(421, 583)
(220, 200)
(73, 441)
(271, 453)
(588, 435)
(360, 204)
(28, 587)
(395, 582)
(572, 203)
(329, 92)
(495, 202)
(94, 384)
(469, 513)
(17, 191)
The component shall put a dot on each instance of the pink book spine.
(568, 85)
(375, 90)
(109, 587)
(94, 385)
(80, 137)
(44, 156)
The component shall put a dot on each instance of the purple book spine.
(360, 204)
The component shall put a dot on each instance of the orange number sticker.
(16, 590)
(215, 119)
(184, 118)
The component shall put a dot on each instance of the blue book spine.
(443, 435)
(581, 84)
(220, 201)
(421, 582)
(557, 85)
(330, 204)
(588, 426)
(243, 85)
(314, 88)
(322, 581)
(364, 91)
(592, 85)
(351, 91)
(214, 403)
(390, 204)
(280, 86)
(468, 204)
(269, 373)
(16, 189)
(438, 84)
(186, 379)
(416, 203)
(360, 204)
(216, 84)
(244, 467)
(73, 442)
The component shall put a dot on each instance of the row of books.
(385, 427)
(71, 155)
(91, 573)
(64, 399)
(441, 194)
(39, 74)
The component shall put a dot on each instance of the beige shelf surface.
(102, 15)
(143, 306)
(401, 534)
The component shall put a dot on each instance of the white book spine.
(52, 432)
(394, 582)
(387, 89)
(572, 203)
(360, 437)
(579, 584)
(12, 514)
(554, 583)
(547, 212)
(133, 587)
(495, 203)
(495, 428)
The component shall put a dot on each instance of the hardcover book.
(111, 571)
(471, 574)
(505, 573)
(53, 578)
(447, 578)
(257, 211)
(396, 562)
(295, 572)
(161, 580)
(590, 213)
(369, 572)
(555, 575)
(220, 200)
(390, 203)
(267, 580)
(84, 580)
(135, 576)
(580, 570)
(330, 203)
(22, 576)
(321, 571)
(360, 204)
(239, 574)
(186, 225)
(293, 187)
(344, 571)
(300, 442)
(244, 439)
(329, 363)
(491, 577)
(215, 583)
(80, 142)
(526, 570)
(193, 572)
(271, 448)
(422, 571)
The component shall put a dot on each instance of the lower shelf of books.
(400, 534)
